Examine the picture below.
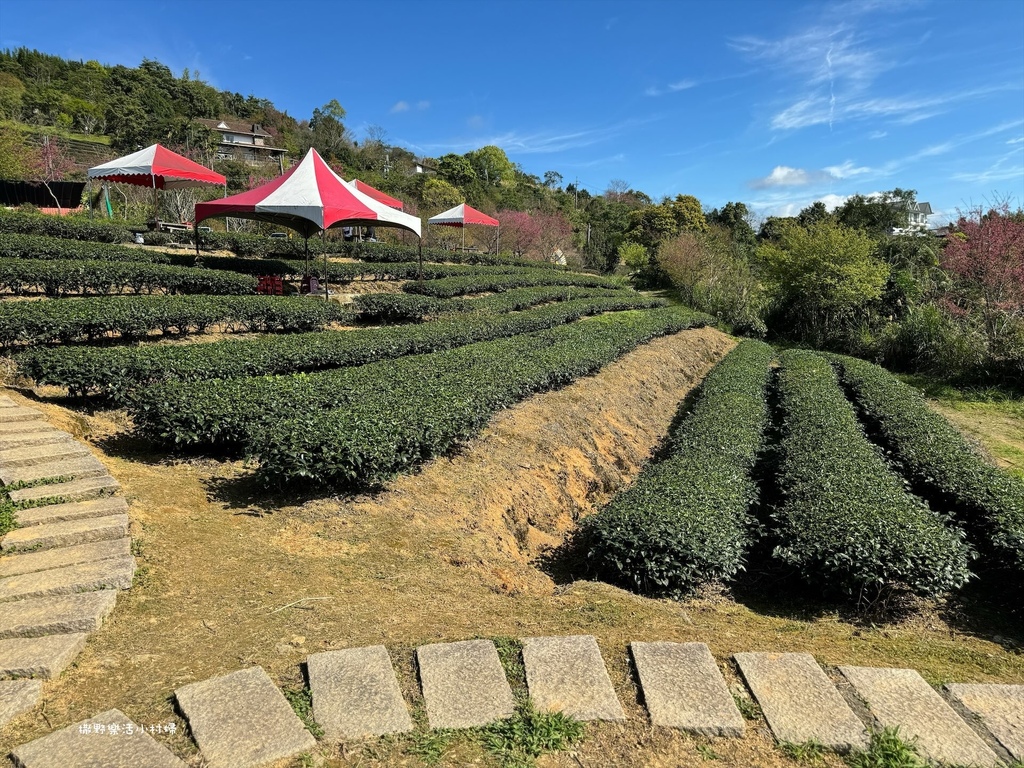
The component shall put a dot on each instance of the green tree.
(734, 217)
(651, 225)
(813, 214)
(633, 255)
(492, 165)
(688, 214)
(11, 92)
(877, 214)
(328, 133)
(823, 279)
(438, 195)
(456, 170)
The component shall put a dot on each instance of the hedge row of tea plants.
(118, 372)
(449, 287)
(845, 520)
(41, 247)
(243, 244)
(134, 317)
(939, 463)
(403, 413)
(687, 520)
(359, 425)
(410, 307)
(64, 277)
(66, 227)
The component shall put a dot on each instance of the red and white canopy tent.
(309, 198)
(376, 194)
(460, 216)
(159, 168)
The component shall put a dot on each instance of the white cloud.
(784, 176)
(1018, 140)
(682, 85)
(847, 170)
(401, 106)
(878, 134)
(422, 105)
(652, 91)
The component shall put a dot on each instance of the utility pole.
(576, 201)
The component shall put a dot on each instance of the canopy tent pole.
(195, 234)
(156, 204)
(419, 256)
(463, 238)
(327, 292)
(307, 255)
(497, 242)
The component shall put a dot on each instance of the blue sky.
(772, 103)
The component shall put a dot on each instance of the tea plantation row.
(837, 513)
(118, 372)
(361, 425)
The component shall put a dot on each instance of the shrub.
(686, 521)
(845, 520)
(939, 462)
(67, 227)
(132, 317)
(494, 282)
(60, 277)
(361, 425)
(118, 371)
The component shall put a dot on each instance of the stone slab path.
(799, 701)
(355, 694)
(1000, 708)
(17, 696)
(61, 567)
(567, 674)
(129, 746)
(683, 688)
(464, 684)
(241, 720)
(901, 697)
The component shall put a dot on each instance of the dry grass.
(228, 575)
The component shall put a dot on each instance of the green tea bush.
(60, 277)
(361, 425)
(133, 317)
(481, 282)
(119, 371)
(939, 462)
(67, 227)
(687, 521)
(845, 520)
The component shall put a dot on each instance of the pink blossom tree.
(985, 255)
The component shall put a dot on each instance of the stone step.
(18, 413)
(71, 469)
(999, 707)
(29, 455)
(71, 579)
(18, 696)
(18, 427)
(355, 694)
(76, 510)
(44, 560)
(85, 744)
(241, 720)
(464, 684)
(683, 688)
(567, 674)
(44, 657)
(901, 698)
(799, 701)
(10, 440)
(59, 615)
(71, 490)
(66, 534)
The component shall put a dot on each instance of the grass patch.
(808, 752)
(707, 752)
(518, 741)
(510, 653)
(430, 746)
(747, 707)
(887, 750)
(302, 702)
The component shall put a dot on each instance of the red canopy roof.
(379, 196)
(309, 197)
(461, 215)
(158, 167)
